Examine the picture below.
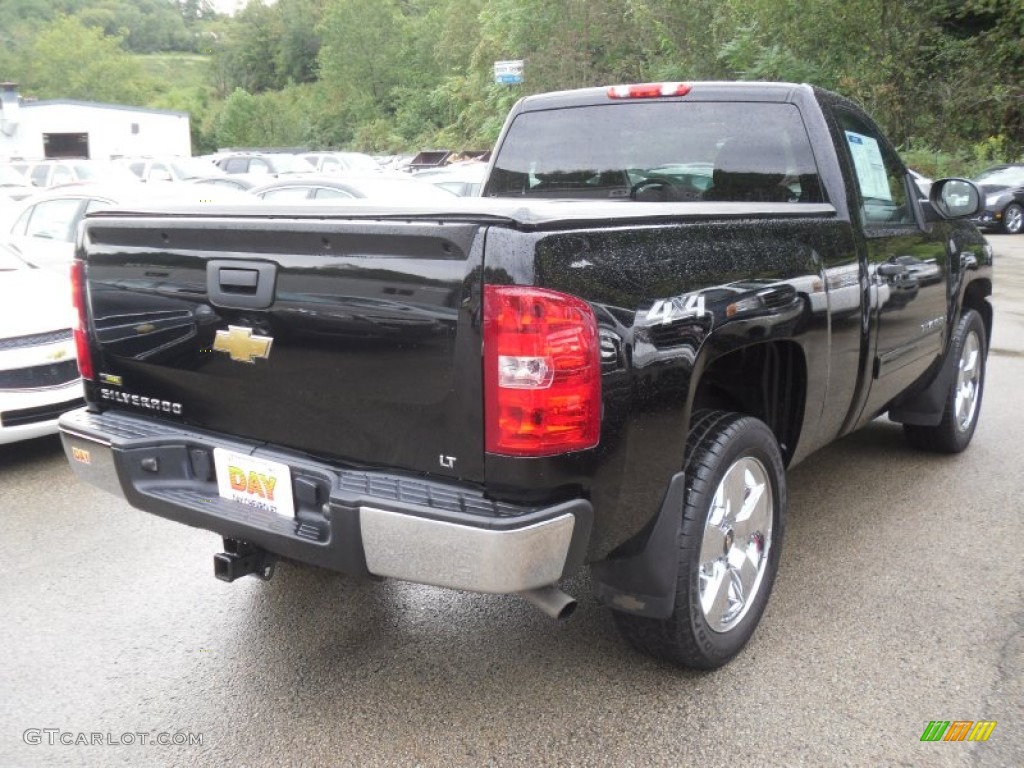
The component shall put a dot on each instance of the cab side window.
(881, 178)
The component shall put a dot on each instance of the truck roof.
(698, 91)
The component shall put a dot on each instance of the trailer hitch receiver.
(242, 559)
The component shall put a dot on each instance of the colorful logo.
(958, 730)
(242, 344)
(254, 484)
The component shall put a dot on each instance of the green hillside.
(176, 70)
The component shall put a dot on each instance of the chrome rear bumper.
(360, 522)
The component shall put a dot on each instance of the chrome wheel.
(737, 540)
(733, 495)
(968, 382)
(1013, 219)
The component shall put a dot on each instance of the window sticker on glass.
(867, 158)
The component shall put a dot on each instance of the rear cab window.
(660, 151)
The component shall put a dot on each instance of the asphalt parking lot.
(900, 600)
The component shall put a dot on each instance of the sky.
(231, 6)
(227, 6)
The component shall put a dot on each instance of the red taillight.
(648, 90)
(78, 301)
(542, 372)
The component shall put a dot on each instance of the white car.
(160, 169)
(462, 179)
(42, 228)
(54, 172)
(342, 162)
(336, 189)
(38, 369)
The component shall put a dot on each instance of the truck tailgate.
(352, 340)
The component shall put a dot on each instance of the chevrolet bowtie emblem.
(240, 343)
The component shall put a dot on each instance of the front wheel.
(1013, 219)
(729, 543)
(963, 401)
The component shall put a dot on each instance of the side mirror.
(955, 198)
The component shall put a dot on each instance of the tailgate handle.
(240, 284)
(239, 280)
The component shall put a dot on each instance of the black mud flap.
(644, 578)
(925, 407)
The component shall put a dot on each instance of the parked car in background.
(462, 179)
(42, 230)
(240, 182)
(393, 162)
(265, 163)
(381, 188)
(173, 168)
(342, 162)
(13, 187)
(50, 173)
(38, 371)
(1003, 187)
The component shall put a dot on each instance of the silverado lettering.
(139, 401)
(666, 296)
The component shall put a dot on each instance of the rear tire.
(963, 401)
(729, 543)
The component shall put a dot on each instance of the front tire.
(1013, 219)
(729, 543)
(963, 401)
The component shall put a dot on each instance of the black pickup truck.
(666, 295)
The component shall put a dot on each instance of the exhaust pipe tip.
(551, 601)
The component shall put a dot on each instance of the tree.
(68, 60)
(276, 119)
(297, 42)
(195, 10)
(935, 73)
(990, 95)
(246, 54)
(360, 54)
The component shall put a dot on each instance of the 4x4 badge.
(242, 345)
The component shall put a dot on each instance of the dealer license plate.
(254, 481)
